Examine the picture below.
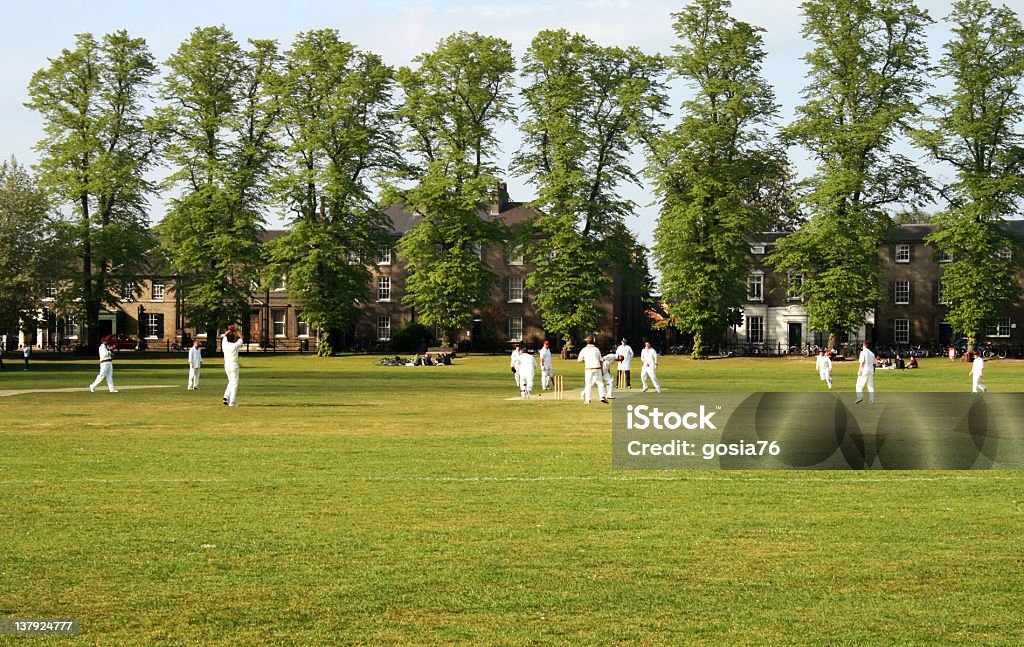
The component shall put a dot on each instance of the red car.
(124, 342)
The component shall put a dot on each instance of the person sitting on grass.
(912, 363)
(426, 360)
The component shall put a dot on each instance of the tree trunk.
(700, 350)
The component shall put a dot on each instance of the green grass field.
(346, 503)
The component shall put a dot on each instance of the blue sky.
(395, 29)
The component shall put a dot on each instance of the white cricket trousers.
(232, 389)
(976, 384)
(193, 377)
(648, 372)
(868, 381)
(826, 377)
(591, 377)
(545, 377)
(106, 373)
(526, 384)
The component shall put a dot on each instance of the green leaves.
(218, 129)
(976, 128)
(336, 113)
(716, 173)
(454, 100)
(588, 105)
(94, 157)
(867, 69)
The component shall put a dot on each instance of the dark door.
(796, 334)
(945, 334)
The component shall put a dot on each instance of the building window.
(946, 258)
(515, 289)
(50, 292)
(757, 250)
(901, 331)
(71, 329)
(755, 329)
(152, 325)
(515, 256)
(903, 253)
(901, 291)
(127, 291)
(280, 318)
(796, 286)
(383, 328)
(302, 326)
(352, 257)
(158, 292)
(942, 298)
(383, 288)
(384, 255)
(1005, 253)
(755, 287)
(1001, 328)
(515, 329)
(278, 285)
(478, 250)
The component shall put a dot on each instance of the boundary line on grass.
(76, 389)
(534, 479)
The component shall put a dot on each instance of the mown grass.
(346, 503)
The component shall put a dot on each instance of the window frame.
(383, 324)
(513, 323)
(751, 329)
(755, 279)
(274, 322)
(896, 293)
(510, 291)
(901, 331)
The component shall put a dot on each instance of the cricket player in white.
(230, 343)
(591, 358)
(516, 352)
(866, 375)
(606, 374)
(977, 368)
(626, 359)
(526, 366)
(106, 366)
(547, 371)
(649, 357)
(823, 364)
(195, 362)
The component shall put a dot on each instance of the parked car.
(125, 342)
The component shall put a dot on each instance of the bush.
(410, 338)
(325, 349)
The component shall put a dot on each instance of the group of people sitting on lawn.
(898, 363)
(437, 359)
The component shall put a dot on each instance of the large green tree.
(867, 69)
(715, 173)
(28, 246)
(337, 114)
(588, 105)
(976, 128)
(455, 98)
(94, 158)
(218, 124)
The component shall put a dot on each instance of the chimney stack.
(499, 198)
